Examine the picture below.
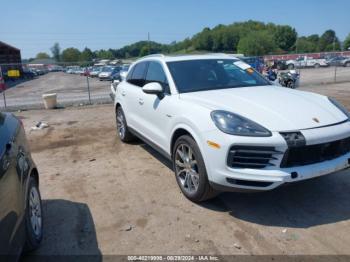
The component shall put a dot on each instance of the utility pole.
(149, 43)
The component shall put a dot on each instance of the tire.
(317, 66)
(290, 66)
(33, 217)
(347, 64)
(122, 127)
(195, 187)
(290, 84)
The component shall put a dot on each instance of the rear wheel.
(122, 128)
(347, 64)
(33, 217)
(317, 66)
(190, 171)
(290, 66)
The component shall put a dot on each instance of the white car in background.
(225, 127)
(305, 61)
(95, 71)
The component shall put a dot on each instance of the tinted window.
(138, 74)
(212, 74)
(155, 73)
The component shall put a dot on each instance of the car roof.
(173, 58)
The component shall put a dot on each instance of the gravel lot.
(105, 197)
(70, 89)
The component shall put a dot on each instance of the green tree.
(329, 41)
(104, 54)
(203, 40)
(256, 43)
(285, 37)
(42, 55)
(144, 51)
(56, 52)
(347, 42)
(86, 55)
(305, 45)
(70, 55)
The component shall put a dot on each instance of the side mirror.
(153, 88)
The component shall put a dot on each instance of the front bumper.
(270, 177)
(105, 78)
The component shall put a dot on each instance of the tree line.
(251, 38)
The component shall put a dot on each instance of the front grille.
(251, 156)
(312, 154)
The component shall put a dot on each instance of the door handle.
(141, 101)
(123, 93)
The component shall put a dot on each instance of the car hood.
(275, 108)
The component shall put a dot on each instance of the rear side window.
(155, 73)
(138, 74)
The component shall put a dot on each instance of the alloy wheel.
(35, 211)
(186, 168)
(120, 124)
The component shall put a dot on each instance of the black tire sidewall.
(33, 241)
(203, 177)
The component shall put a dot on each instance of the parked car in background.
(95, 71)
(107, 73)
(339, 61)
(279, 64)
(28, 74)
(124, 72)
(255, 62)
(305, 61)
(226, 128)
(21, 223)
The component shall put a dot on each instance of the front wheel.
(190, 171)
(33, 217)
(317, 66)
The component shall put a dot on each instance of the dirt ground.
(105, 197)
(68, 87)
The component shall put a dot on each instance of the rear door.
(11, 196)
(130, 93)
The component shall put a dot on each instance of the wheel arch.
(180, 131)
(35, 174)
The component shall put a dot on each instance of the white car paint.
(306, 61)
(275, 108)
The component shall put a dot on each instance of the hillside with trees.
(251, 38)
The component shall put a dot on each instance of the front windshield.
(212, 74)
(107, 69)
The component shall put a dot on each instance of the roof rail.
(154, 55)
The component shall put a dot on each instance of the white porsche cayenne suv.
(225, 127)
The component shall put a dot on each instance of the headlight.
(233, 124)
(339, 106)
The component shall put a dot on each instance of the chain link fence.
(26, 84)
(81, 83)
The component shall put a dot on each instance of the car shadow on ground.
(69, 233)
(314, 202)
(305, 204)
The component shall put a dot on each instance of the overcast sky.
(34, 25)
